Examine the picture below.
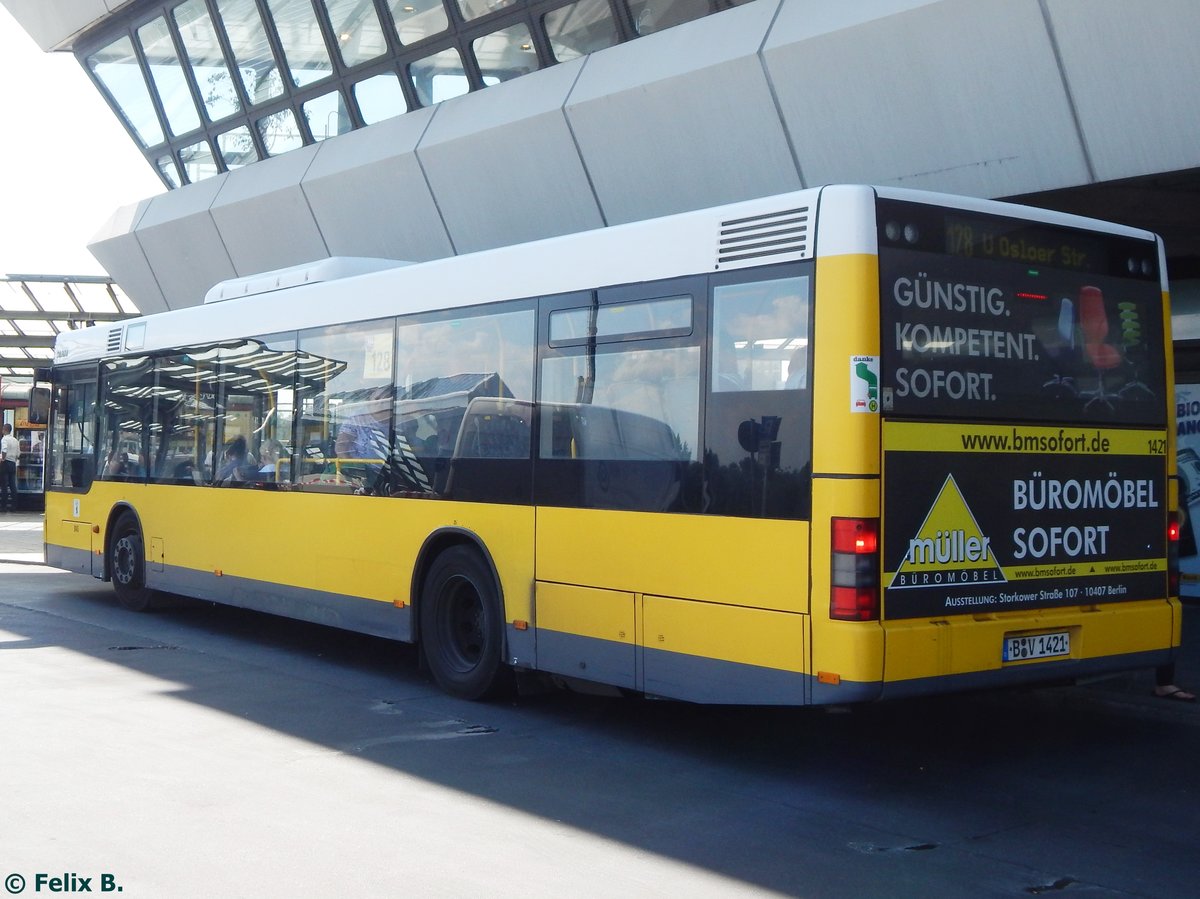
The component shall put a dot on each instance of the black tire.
(127, 566)
(462, 625)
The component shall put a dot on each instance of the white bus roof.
(340, 289)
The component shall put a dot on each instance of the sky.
(66, 162)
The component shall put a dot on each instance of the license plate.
(1037, 646)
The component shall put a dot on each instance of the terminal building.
(289, 131)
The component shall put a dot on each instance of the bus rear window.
(989, 319)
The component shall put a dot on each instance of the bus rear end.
(1026, 507)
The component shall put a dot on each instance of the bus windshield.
(987, 318)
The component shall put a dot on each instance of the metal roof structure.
(34, 309)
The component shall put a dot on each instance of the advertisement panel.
(992, 518)
(1187, 447)
(993, 319)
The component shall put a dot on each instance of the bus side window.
(82, 470)
(72, 463)
(761, 335)
(127, 392)
(758, 440)
(346, 421)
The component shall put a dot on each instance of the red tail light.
(854, 569)
(1172, 553)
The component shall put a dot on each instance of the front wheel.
(462, 625)
(127, 565)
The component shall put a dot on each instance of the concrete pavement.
(217, 752)
(21, 537)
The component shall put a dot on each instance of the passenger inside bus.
(185, 472)
(237, 467)
(121, 465)
(273, 463)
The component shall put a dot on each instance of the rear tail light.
(854, 569)
(1172, 554)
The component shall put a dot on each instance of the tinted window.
(670, 317)
(72, 430)
(758, 426)
(990, 318)
(126, 414)
(619, 402)
(580, 28)
(345, 422)
(464, 406)
(117, 68)
(184, 414)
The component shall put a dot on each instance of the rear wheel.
(127, 565)
(462, 625)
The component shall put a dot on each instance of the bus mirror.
(748, 435)
(39, 405)
(754, 436)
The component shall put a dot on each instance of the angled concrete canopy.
(1084, 105)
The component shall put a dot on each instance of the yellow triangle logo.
(949, 549)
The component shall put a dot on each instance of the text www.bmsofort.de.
(1016, 441)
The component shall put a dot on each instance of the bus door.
(70, 469)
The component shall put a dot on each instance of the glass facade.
(205, 86)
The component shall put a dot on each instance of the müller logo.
(949, 548)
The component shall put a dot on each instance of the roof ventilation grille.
(783, 234)
(114, 340)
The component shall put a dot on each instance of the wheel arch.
(114, 514)
(435, 544)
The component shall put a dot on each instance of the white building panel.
(116, 245)
(369, 196)
(951, 96)
(503, 165)
(181, 242)
(1141, 117)
(263, 215)
(981, 97)
(54, 24)
(682, 119)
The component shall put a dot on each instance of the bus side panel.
(586, 633)
(1169, 359)
(706, 652)
(68, 543)
(761, 563)
(847, 656)
(278, 551)
(846, 435)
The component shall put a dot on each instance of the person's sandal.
(1176, 694)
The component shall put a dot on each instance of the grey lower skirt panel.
(77, 560)
(698, 679)
(703, 680)
(670, 675)
(351, 613)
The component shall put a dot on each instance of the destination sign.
(981, 238)
(975, 235)
(984, 316)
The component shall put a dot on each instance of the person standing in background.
(10, 452)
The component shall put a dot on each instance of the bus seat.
(494, 428)
(1093, 322)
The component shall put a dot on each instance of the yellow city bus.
(842, 444)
